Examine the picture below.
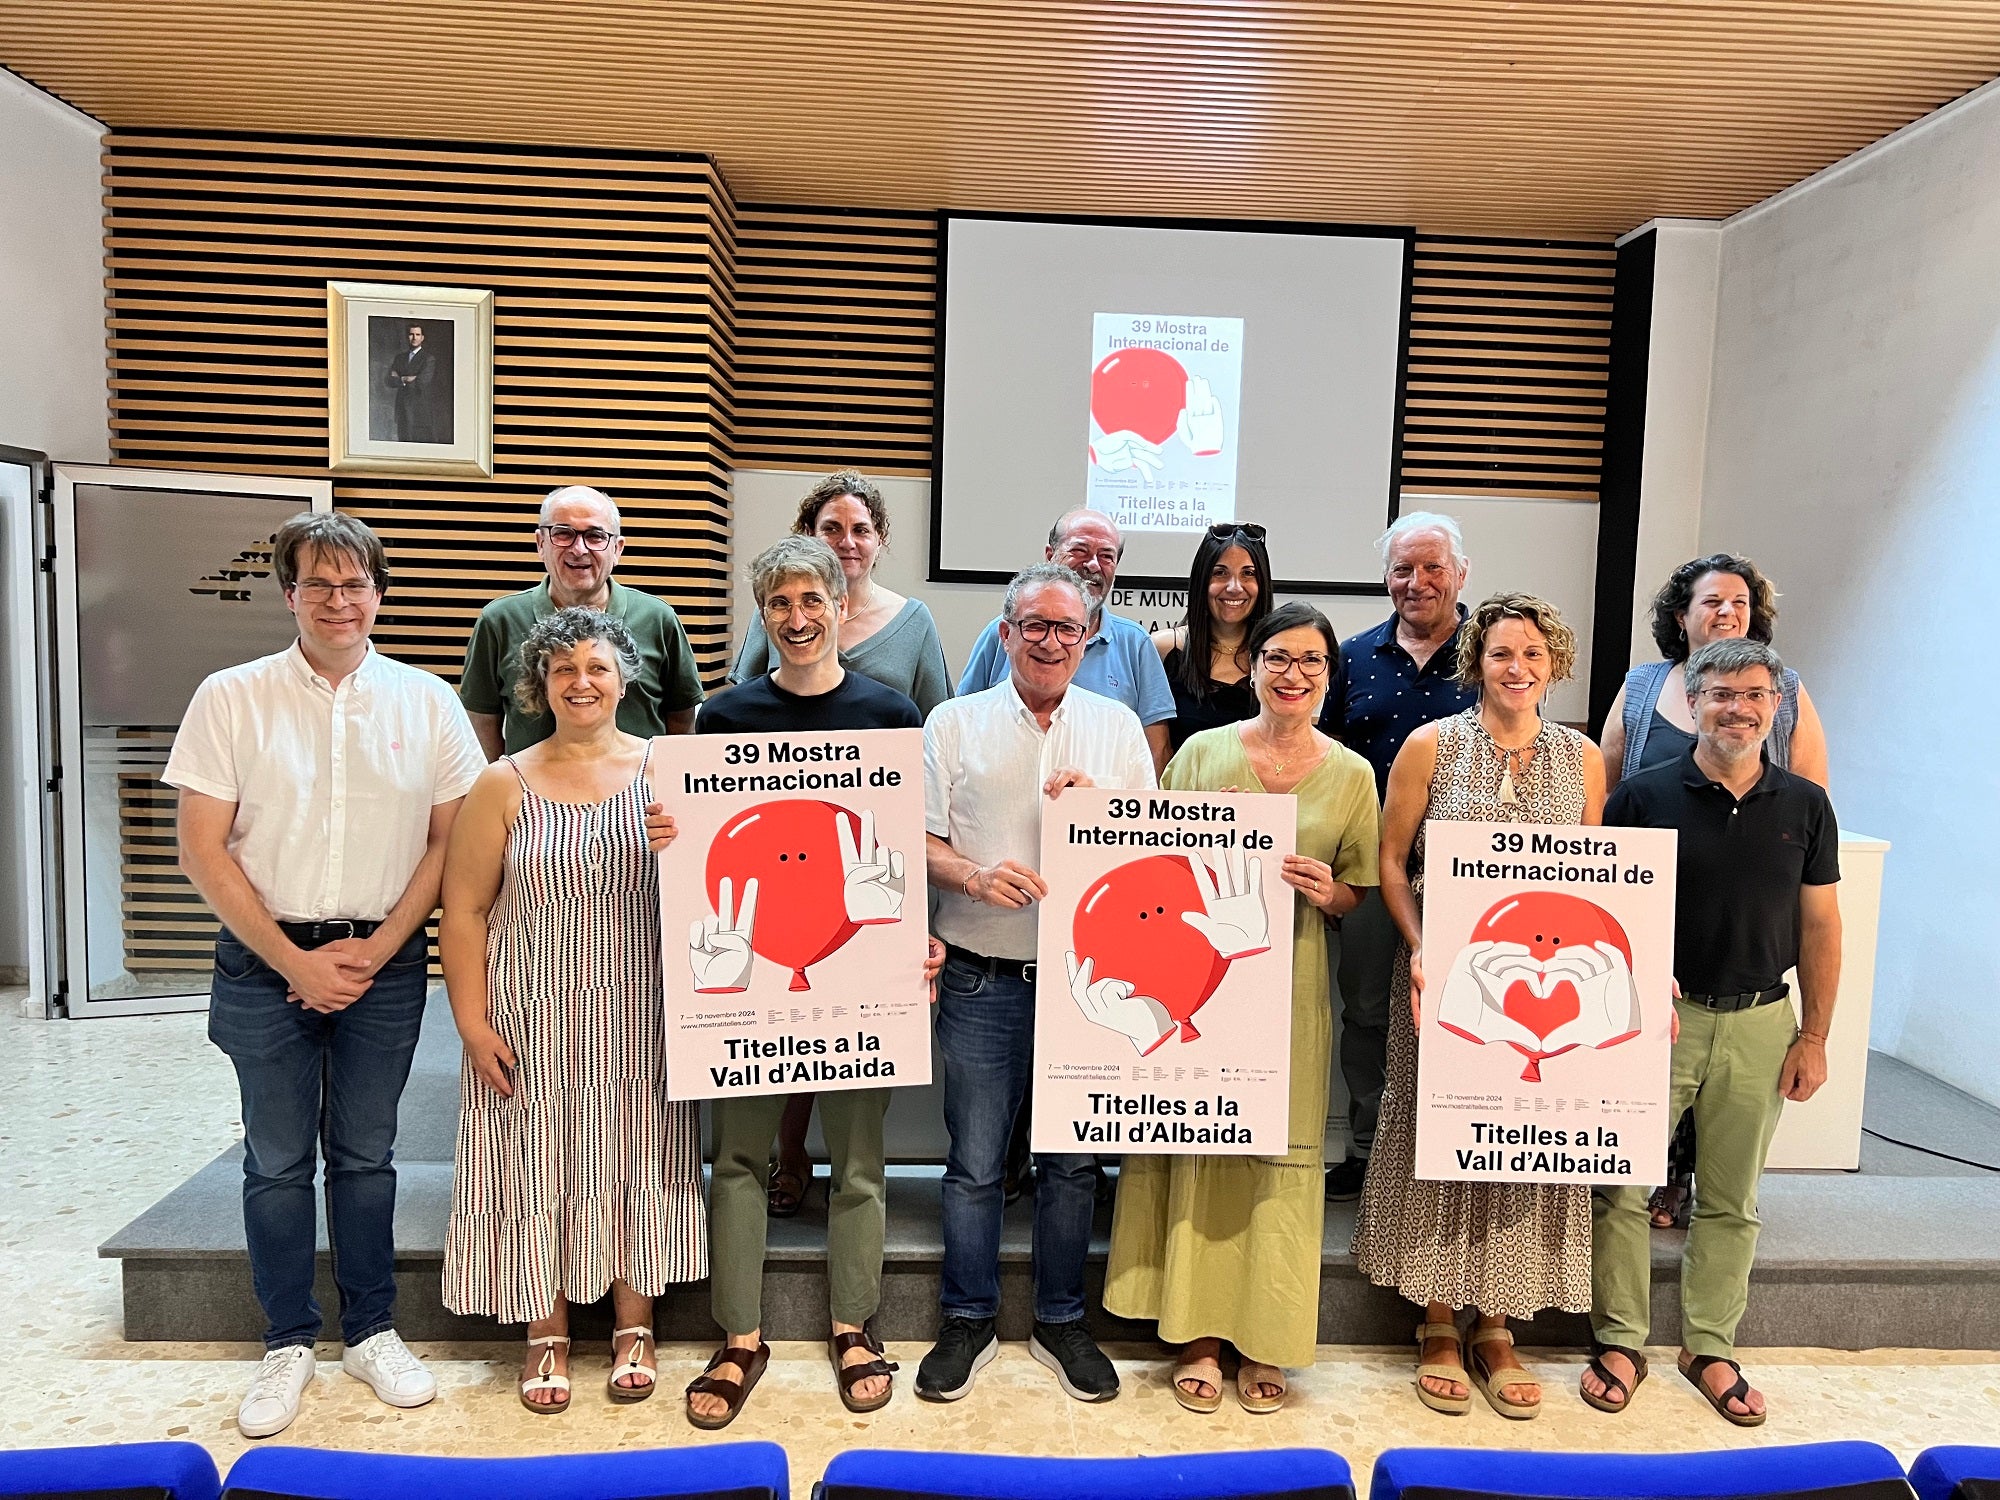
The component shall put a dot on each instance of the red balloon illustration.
(792, 851)
(1129, 922)
(1546, 923)
(1138, 390)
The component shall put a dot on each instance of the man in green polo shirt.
(579, 542)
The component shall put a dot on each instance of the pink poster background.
(1197, 1064)
(1543, 1053)
(805, 997)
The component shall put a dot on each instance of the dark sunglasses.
(1224, 529)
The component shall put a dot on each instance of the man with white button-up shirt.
(989, 761)
(317, 789)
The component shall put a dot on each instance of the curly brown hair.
(1539, 613)
(842, 482)
(1677, 593)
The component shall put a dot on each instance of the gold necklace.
(1271, 749)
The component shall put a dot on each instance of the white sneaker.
(273, 1398)
(390, 1370)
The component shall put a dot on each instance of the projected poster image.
(1166, 394)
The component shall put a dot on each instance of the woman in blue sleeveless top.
(1708, 599)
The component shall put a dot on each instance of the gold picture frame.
(409, 379)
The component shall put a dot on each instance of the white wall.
(1680, 353)
(52, 384)
(1549, 547)
(1854, 450)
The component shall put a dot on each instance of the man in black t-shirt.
(1756, 894)
(802, 595)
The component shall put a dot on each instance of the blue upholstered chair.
(1274, 1474)
(130, 1471)
(740, 1471)
(1860, 1471)
(1957, 1474)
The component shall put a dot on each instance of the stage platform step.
(1901, 1254)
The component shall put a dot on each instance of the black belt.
(329, 930)
(1748, 1000)
(1022, 969)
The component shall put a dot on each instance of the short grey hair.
(796, 556)
(555, 497)
(1062, 524)
(1421, 520)
(564, 631)
(1034, 576)
(1727, 657)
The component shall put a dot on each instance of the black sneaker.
(1069, 1350)
(1344, 1179)
(964, 1345)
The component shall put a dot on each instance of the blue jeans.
(312, 1083)
(986, 1036)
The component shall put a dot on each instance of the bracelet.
(967, 887)
(1818, 1037)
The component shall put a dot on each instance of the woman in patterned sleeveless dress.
(574, 1172)
(1507, 1250)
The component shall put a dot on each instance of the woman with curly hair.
(1504, 1249)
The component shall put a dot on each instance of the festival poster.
(1166, 399)
(792, 912)
(1546, 1034)
(1163, 982)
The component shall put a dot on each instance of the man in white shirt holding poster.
(990, 759)
(317, 789)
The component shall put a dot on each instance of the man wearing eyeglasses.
(991, 758)
(317, 790)
(579, 542)
(1756, 894)
(1119, 660)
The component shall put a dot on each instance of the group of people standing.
(527, 810)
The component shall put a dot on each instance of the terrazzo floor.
(100, 1117)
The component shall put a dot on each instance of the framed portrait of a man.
(409, 379)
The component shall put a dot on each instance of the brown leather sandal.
(1693, 1365)
(750, 1361)
(1612, 1384)
(849, 1376)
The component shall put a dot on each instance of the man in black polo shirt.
(1756, 894)
(801, 593)
(1391, 680)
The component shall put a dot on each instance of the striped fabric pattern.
(587, 1173)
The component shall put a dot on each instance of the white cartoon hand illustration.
(719, 947)
(872, 875)
(1111, 1004)
(1232, 918)
(1607, 999)
(1116, 451)
(1473, 1001)
(1200, 424)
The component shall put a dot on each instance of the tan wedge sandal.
(1492, 1382)
(1451, 1406)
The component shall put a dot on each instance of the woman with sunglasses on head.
(1224, 1251)
(1714, 598)
(1207, 655)
(1503, 1249)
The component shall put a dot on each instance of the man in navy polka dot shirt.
(1392, 679)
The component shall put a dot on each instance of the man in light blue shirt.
(1119, 659)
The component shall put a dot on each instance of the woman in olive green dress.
(1226, 1249)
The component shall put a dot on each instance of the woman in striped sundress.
(574, 1173)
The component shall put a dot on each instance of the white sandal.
(627, 1394)
(545, 1377)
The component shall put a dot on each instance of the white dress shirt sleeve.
(204, 755)
(460, 758)
(940, 769)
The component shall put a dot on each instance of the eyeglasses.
(1312, 663)
(1068, 632)
(1723, 697)
(595, 539)
(1223, 529)
(812, 606)
(318, 590)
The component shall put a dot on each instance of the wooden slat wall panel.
(614, 338)
(837, 323)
